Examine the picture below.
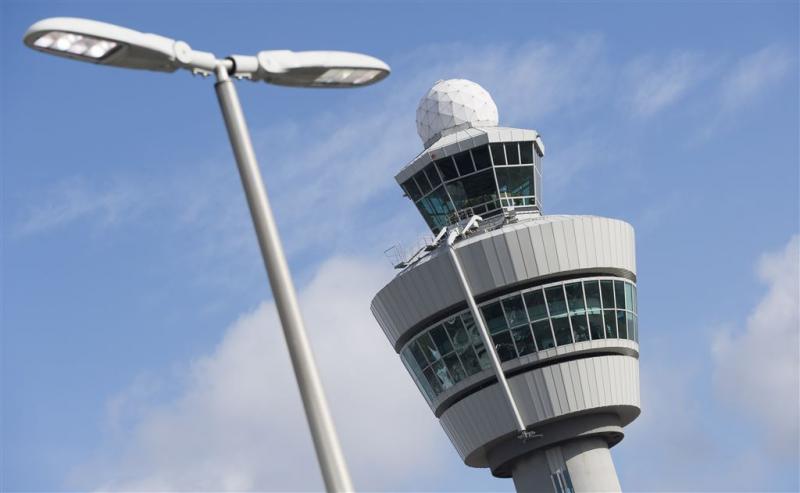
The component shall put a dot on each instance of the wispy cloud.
(75, 200)
(652, 85)
(757, 369)
(753, 75)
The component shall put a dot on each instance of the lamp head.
(107, 44)
(320, 68)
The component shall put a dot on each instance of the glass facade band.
(480, 180)
(522, 323)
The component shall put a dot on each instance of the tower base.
(577, 466)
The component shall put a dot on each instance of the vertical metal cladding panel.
(612, 241)
(517, 258)
(451, 290)
(493, 262)
(549, 238)
(394, 304)
(576, 377)
(412, 298)
(477, 268)
(561, 245)
(587, 379)
(503, 252)
(434, 281)
(526, 249)
(572, 247)
(579, 238)
(591, 243)
(540, 254)
(621, 243)
(569, 388)
(599, 234)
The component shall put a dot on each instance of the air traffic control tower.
(519, 328)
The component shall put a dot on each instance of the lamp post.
(107, 44)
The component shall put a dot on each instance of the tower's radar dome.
(453, 105)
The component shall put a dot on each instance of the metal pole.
(326, 443)
(487, 341)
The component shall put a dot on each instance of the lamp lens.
(75, 44)
(347, 76)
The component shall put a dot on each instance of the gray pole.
(326, 443)
(487, 341)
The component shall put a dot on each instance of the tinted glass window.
(473, 190)
(555, 301)
(610, 321)
(535, 303)
(447, 168)
(433, 175)
(515, 311)
(523, 339)
(544, 338)
(417, 355)
(592, 294)
(422, 182)
(428, 348)
(436, 209)
(454, 368)
(607, 292)
(504, 346)
(635, 300)
(574, 297)
(441, 374)
(483, 356)
(412, 190)
(561, 329)
(596, 324)
(440, 338)
(470, 360)
(526, 152)
(515, 181)
(464, 162)
(512, 153)
(622, 327)
(629, 319)
(498, 155)
(433, 381)
(493, 314)
(619, 292)
(472, 329)
(481, 157)
(458, 333)
(628, 296)
(580, 327)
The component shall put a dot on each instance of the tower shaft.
(581, 465)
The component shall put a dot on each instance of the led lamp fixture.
(75, 44)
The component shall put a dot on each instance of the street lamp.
(106, 44)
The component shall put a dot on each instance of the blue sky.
(140, 349)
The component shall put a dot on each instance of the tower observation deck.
(555, 296)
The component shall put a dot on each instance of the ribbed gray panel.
(512, 254)
(542, 394)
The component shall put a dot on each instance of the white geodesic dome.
(452, 105)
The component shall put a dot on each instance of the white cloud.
(653, 85)
(757, 370)
(237, 422)
(753, 75)
(75, 200)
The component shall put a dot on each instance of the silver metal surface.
(326, 442)
(487, 339)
